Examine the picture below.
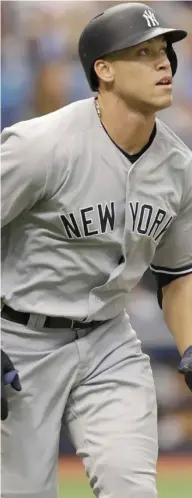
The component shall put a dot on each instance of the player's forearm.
(177, 309)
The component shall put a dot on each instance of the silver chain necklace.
(97, 107)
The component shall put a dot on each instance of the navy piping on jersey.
(133, 157)
(169, 271)
(165, 276)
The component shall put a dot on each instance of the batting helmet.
(120, 27)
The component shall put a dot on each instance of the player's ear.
(104, 70)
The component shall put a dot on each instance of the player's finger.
(9, 377)
(188, 380)
(13, 379)
(183, 369)
(185, 365)
(4, 404)
(15, 384)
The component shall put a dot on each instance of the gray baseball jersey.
(81, 224)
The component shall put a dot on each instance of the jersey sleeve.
(173, 256)
(23, 172)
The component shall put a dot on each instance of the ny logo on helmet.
(150, 18)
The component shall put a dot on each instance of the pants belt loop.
(36, 321)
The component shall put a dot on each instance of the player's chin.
(165, 97)
(163, 102)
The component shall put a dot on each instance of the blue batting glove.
(185, 366)
(9, 375)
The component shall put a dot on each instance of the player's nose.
(163, 62)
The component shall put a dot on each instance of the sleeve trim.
(169, 271)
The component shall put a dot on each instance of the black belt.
(51, 322)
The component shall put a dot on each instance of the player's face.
(142, 75)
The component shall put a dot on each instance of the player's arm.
(172, 267)
(23, 174)
(177, 310)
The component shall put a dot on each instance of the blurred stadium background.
(40, 72)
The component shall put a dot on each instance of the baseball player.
(92, 195)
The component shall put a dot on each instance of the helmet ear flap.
(172, 58)
(94, 83)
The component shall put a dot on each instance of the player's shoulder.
(58, 125)
(173, 143)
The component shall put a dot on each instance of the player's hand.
(8, 376)
(185, 366)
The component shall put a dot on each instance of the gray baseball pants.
(100, 386)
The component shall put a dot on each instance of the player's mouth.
(166, 81)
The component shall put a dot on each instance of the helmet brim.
(172, 36)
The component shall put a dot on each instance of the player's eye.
(147, 51)
(163, 50)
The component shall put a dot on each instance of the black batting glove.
(185, 366)
(8, 376)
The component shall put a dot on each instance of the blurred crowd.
(40, 72)
(40, 65)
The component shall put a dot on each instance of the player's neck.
(128, 128)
